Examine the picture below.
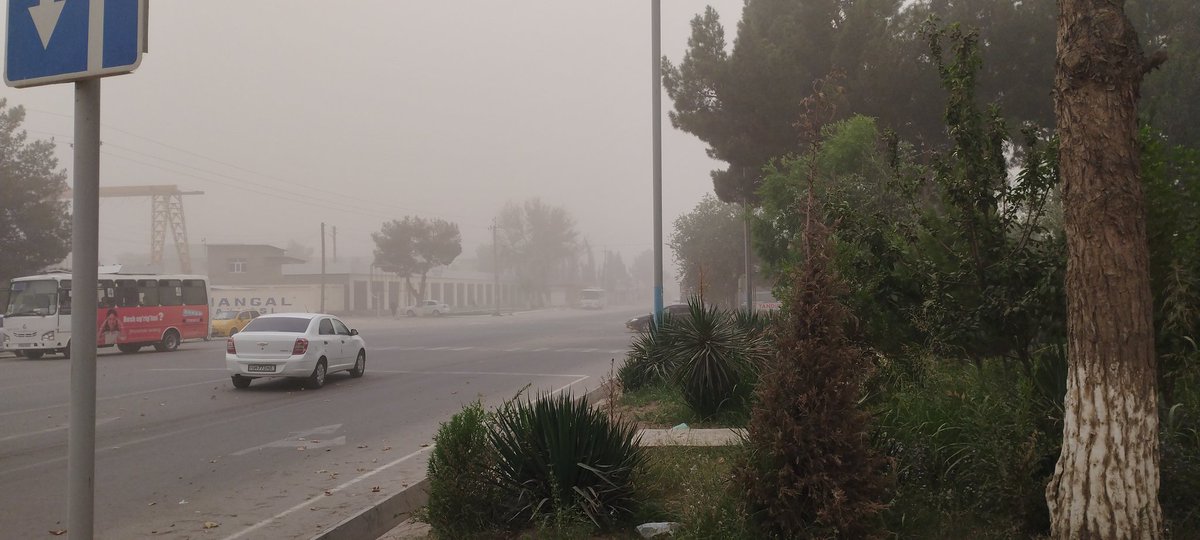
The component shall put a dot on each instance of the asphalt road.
(179, 449)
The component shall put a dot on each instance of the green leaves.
(35, 226)
(414, 245)
(556, 454)
(714, 361)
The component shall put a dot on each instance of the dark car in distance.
(642, 323)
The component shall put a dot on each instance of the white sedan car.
(307, 346)
(428, 308)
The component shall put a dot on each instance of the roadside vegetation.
(913, 385)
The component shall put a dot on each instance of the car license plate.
(25, 345)
(264, 368)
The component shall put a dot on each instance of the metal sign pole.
(85, 239)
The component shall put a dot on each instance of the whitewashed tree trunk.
(1105, 485)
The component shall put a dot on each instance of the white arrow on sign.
(45, 17)
(302, 439)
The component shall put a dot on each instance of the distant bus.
(592, 299)
(133, 311)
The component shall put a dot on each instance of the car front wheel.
(360, 365)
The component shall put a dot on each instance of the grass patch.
(663, 406)
(692, 486)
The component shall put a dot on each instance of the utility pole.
(749, 261)
(322, 267)
(656, 71)
(335, 243)
(495, 270)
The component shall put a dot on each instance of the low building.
(264, 277)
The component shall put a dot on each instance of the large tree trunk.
(1106, 482)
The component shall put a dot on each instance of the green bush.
(557, 458)
(973, 446)
(715, 361)
(463, 499)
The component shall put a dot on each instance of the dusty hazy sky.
(289, 113)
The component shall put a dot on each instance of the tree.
(1169, 95)
(536, 241)
(1106, 482)
(809, 471)
(35, 225)
(708, 250)
(414, 246)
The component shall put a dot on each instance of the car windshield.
(224, 315)
(38, 297)
(278, 324)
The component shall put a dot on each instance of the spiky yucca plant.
(556, 456)
(713, 359)
(646, 364)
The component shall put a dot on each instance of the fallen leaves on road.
(376, 489)
(329, 493)
(152, 504)
(362, 446)
(183, 501)
(211, 524)
(58, 532)
(386, 448)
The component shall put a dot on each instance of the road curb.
(385, 515)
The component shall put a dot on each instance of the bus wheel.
(33, 355)
(170, 342)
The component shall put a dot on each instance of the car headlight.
(48, 336)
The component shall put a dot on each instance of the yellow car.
(228, 323)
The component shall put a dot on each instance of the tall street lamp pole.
(656, 70)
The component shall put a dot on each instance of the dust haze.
(291, 113)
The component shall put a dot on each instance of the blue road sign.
(51, 41)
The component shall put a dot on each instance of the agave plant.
(556, 455)
(713, 359)
(647, 363)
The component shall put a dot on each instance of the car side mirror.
(353, 332)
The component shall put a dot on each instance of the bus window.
(106, 294)
(127, 293)
(194, 292)
(148, 292)
(170, 292)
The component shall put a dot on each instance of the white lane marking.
(473, 373)
(542, 349)
(99, 422)
(461, 349)
(438, 349)
(134, 442)
(309, 501)
(118, 396)
(298, 439)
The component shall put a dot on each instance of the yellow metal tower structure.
(166, 214)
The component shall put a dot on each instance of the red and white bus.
(134, 311)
